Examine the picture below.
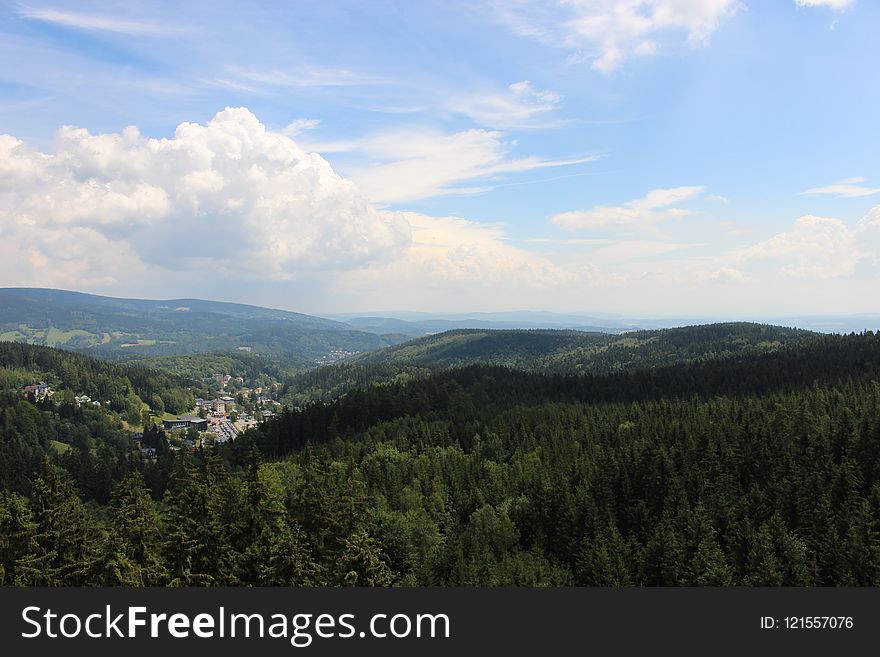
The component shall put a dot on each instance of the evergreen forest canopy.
(545, 351)
(761, 467)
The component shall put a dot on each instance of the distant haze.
(417, 323)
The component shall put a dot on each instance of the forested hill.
(583, 352)
(755, 469)
(481, 391)
(545, 351)
(91, 435)
(134, 328)
(70, 374)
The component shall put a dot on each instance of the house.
(185, 422)
(85, 400)
(39, 390)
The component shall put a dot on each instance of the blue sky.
(646, 157)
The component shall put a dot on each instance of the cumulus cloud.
(867, 232)
(228, 194)
(452, 249)
(871, 220)
(218, 206)
(519, 107)
(816, 247)
(457, 263)
(653, 207)
(608, 32)
(413, 164)
(848, 188)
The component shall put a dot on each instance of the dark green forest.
(543, 351)
(758, 468)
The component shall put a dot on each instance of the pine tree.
(20, 563)
(135, 536)
(67, 537)
(708, 566)
(362, 562)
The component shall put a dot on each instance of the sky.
(642, 157)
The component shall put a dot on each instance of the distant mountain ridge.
(132, 328)
(418, 324)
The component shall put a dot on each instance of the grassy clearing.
(55, 337)
(60, 447)
(139, 343)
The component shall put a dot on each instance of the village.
(214, 421)
(223, 417)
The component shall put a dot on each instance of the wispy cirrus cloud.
(521, 106)
(417, 163)
(656, 205)
(847, 188)
(102, 23)
(300, 77)
(838, 5)
(298, 126)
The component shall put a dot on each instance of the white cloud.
(838, 5)
(627, 251)
(867, 232)
(94, 22)
(415, 164)
(229, 195)
(226, 204)
(578, 242)
(517, 108)
(452, 249)
(729, 275)
(456, 263)
(651, 208)
(848, 188)
(301, 76)
(871, 220)
(608, 32)
(816, 247)
(298, 126)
